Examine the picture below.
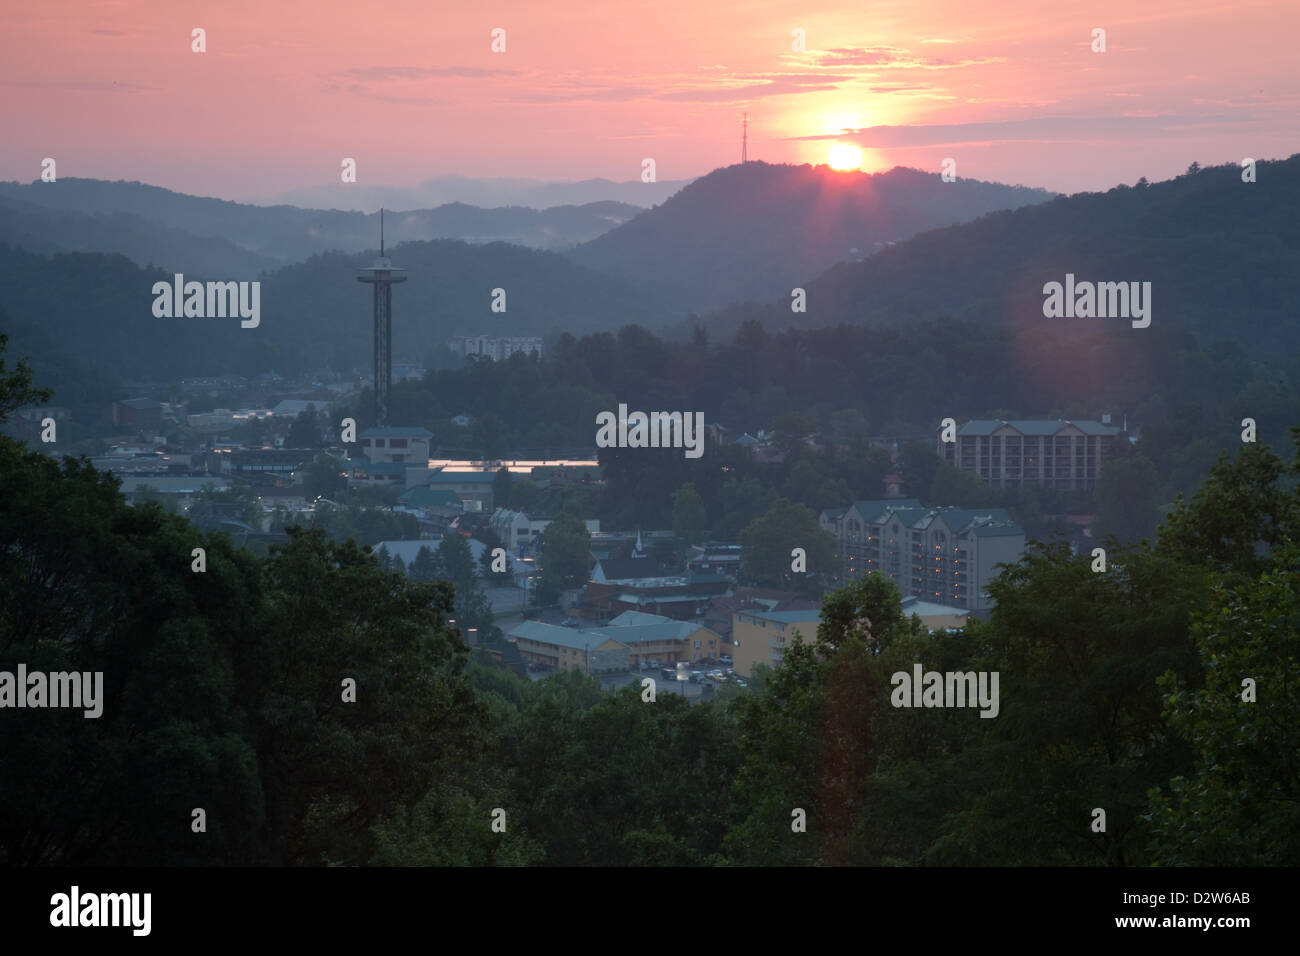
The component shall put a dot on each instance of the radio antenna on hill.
(744, 139)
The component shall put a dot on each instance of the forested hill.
(100, 308)
(449, 291)
(1222, 257)
(47, 229)
(755, 230)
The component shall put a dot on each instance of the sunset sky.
(411, 89)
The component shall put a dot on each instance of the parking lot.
(701, 682)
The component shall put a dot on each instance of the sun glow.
(845, 157)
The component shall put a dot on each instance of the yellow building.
(657, 639)
(761, 637)
(566, 648)
(622, 645)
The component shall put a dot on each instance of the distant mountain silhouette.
(485, 193)
(755, 230)
(271, 234)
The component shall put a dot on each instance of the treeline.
(850, 383)
(1159, 691)
(312, 314)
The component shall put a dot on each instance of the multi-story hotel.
(942, 555)
(1052, 454)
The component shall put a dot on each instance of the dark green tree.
(688, 513)
(333, 769)
(767, 544)
(789, 432)
(235, 502)
(547, 590)
(502, 483)
(16, 386)
(951, 486)
(1240, 513)
(456, 561)
(1127, 502)
(324, 478)
(425, 566)
(919, 463)
(305, 430)
(1240, 805)
(566, 550)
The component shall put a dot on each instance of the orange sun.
(845, 157)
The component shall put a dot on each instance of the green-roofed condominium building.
(945, 555)
(1062, 455)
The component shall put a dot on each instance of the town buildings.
(638, 584)
(761, 637)
(390, 456)
(520, 531)
(625, 643)
(1059, 455)
(946, 555)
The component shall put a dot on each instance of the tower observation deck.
(382, 276)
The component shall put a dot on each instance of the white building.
(397, 457)
(516, 528)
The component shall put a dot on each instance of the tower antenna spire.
(381, 232)
(744, 139)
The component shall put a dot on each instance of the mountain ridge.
(282, 234)
(757, 230)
